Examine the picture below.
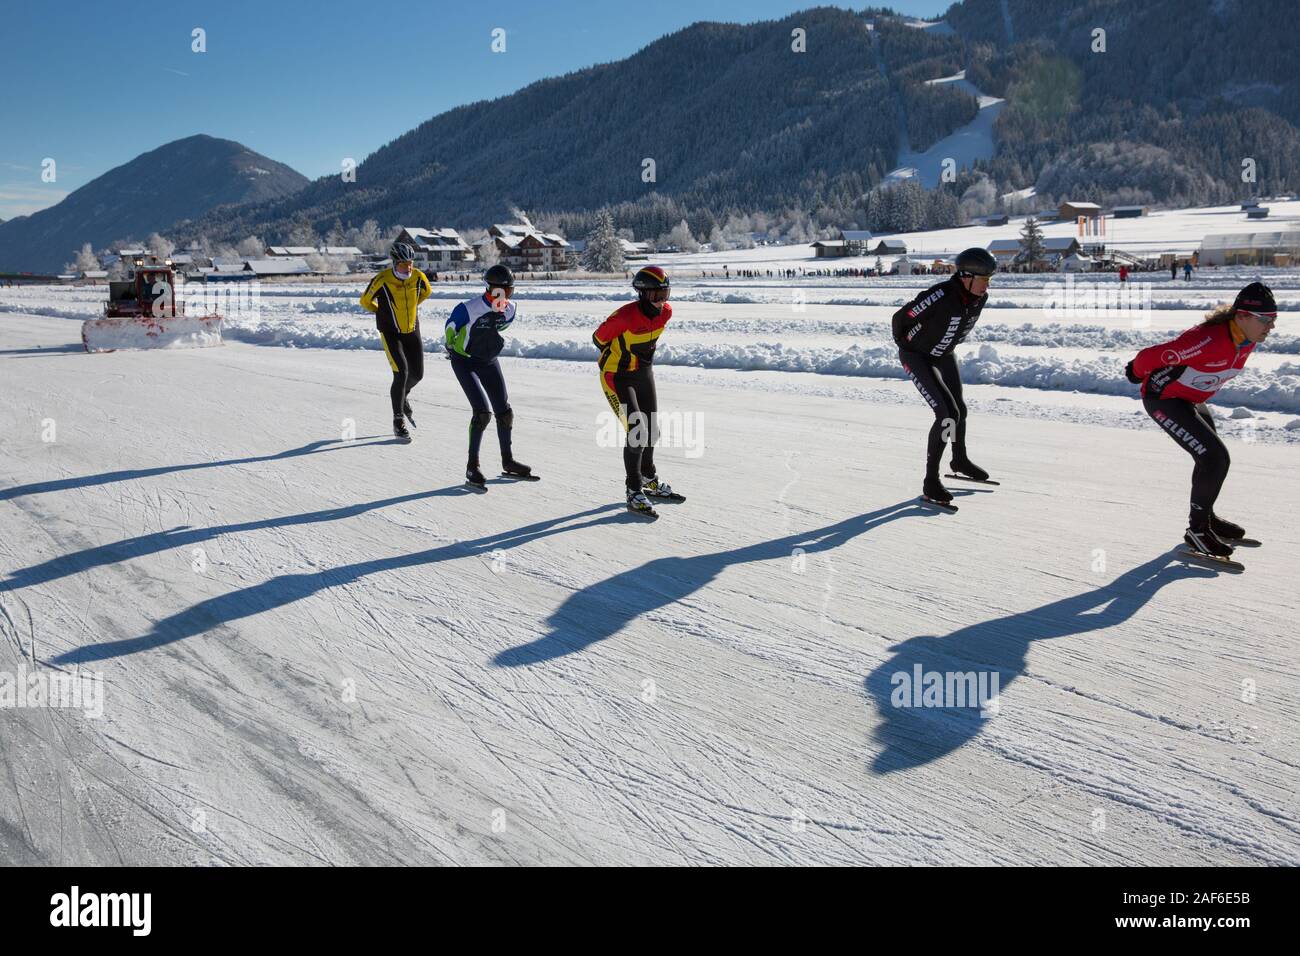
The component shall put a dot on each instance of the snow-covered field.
(316, 647)
(1163, 230)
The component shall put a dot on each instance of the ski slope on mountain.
(963, 146)
(317, 648)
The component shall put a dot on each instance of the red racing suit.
(1196, 364)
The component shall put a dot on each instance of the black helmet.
(401, 252)
(499, 276)
(976, 262)
(1256, 298)
(650, 277)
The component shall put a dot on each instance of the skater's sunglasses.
(1268, 318)
(656, 295)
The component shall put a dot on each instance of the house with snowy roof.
(279, 266)
(1009, 252)
(830, 248)
(437, 250)
(1078, 210)
(524, 247)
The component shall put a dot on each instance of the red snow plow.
(142, 313)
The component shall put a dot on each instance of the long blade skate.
(941, 505)
(1226, 564)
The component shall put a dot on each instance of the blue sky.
(303, 83)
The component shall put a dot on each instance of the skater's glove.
(1131, 375)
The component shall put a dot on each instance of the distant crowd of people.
(729, 273)
(474, 276)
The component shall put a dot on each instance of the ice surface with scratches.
(317, 649)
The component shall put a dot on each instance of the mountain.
(737, 122)
(730, 114)
(1181, 94)
(181, 180)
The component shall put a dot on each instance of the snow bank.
(742, 330)
(79, 314)
(1103, 375)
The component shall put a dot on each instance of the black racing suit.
(1192, 426)
(926, 330)
(405, 354)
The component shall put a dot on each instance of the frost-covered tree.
(979, 199)
(680, 237)
(251, 247)
(302, 234)
(160, 246)
(326, 265)
(737, 232)
(604, 252)
(85, 261)
(488, 253)
(336, 236)
(368, 238)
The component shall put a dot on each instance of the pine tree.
(1031, 243)
(604, 252)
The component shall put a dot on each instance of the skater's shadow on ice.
(109, 477)
(184, 536)
(915, 731)
(288, 588)
(602, 610)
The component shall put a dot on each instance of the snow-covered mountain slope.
(316, 648)
(963, 146)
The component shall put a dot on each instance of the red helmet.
(650, 277)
